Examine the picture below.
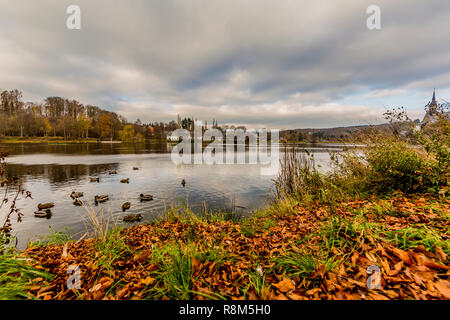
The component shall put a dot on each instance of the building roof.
(431, 115)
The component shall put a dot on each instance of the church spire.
(432, 106)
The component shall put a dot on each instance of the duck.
(145, 197)
(78, 202)
(100, 199)
(76, 195)
(126, 206)
(132, 218)
(43, 206)
(43, 214)
(127, 180)
(183, 183)
(3, 182)
(97, 179)
(112, 172)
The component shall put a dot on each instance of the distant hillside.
(329, 134)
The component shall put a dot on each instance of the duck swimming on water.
(126, 206)
(132, 218)
(100, 199)
(145, 197)
(76, 195)
(43, 214)
(43, 206)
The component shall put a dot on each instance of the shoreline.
(16, 140)
(37, 140)
(289, 250)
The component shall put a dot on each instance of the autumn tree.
(47, 126)
(84, 123)
(68, 118)
(128, 133)
(105, 125)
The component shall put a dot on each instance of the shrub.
(393, 165)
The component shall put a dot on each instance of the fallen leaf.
(443, 287)
(285, 285)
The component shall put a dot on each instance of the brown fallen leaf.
(97, 287)
(148, 281)
(97, 295)
(373, 295)
(124, 292)
(402, 255)
(443, 286)
(441, 254)
(252, 295)
(285, 285)
(313, 291)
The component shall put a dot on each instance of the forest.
(70, 119)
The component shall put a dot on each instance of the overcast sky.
(273, 63)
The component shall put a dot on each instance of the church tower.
(431, 111)
(432, 107)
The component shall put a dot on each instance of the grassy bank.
(376, 227)
(290, 250)
(17, 275)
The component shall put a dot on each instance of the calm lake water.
(52, 172)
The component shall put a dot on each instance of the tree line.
(68, 118)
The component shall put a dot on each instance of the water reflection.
(57, 175)
(52, 172)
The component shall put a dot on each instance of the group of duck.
(45, 212)
(112, 172)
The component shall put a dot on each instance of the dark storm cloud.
(270, 63)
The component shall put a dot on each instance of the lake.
(52, 171)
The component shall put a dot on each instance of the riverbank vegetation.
(38, 140)
(68, 119)
(375, 227)
(60, 119)
(290, 250)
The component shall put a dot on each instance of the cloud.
(286, 63)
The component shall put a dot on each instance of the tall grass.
(175, 272)
(109, 243)
(111, 248)
(413, 236)
(97, 221)
(16, 274)
(298, 176)
(52, 238)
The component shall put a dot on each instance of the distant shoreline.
(61, 140)
(12, 140)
